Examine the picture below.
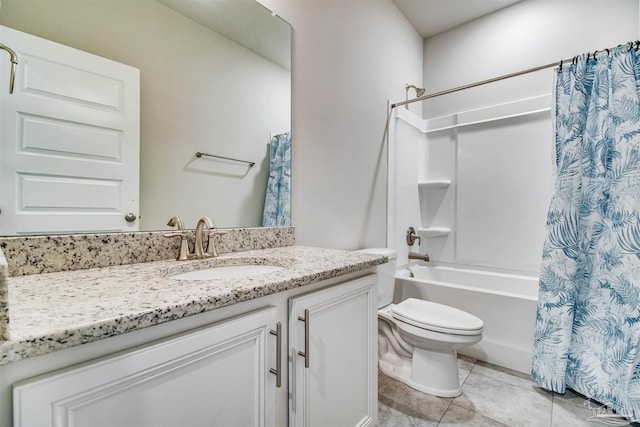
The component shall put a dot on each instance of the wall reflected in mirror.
(217, 82)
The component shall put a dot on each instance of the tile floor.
(491, 396)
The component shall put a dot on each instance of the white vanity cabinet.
(332, 354)
(216, 368)
(215, 375)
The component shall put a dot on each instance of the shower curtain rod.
(635, 43)
(480, 83)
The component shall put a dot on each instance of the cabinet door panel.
(338, 388)
(217, 375)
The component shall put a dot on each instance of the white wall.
(349, 58)
(525, 35)
(199, 92)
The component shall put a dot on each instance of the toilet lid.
(437, 317)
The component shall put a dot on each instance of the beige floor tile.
(573, 410)
(504, 402)
(457, 416)
(390, 417)
(492, 397)
(565, 414)
(465, 365)
(420, 408)
(504, 374)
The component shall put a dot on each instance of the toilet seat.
(437, 317)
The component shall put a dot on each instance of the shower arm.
(419, 92)
(14, 63)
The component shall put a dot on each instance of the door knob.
(130, 217)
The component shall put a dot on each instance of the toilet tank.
(386, 274)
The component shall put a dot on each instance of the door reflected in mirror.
(206, 85)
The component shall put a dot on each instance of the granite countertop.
(53, 311)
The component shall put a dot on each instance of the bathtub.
(505, 302)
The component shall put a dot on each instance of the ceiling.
(430, 17)
(248, 23)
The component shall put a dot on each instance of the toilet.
(418, 340)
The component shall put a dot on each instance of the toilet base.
(430, 372)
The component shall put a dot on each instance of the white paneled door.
(70, 140)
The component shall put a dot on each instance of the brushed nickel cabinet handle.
(278, 369)
(14, 62)
(130, 217)
(305, 353)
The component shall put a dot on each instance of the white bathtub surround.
(47, 254)
(447, 179)
(60, 310)
(505, 302)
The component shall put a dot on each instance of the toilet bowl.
(418, 340)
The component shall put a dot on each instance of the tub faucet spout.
(421, 257)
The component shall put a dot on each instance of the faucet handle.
(183, 253)
(412, 237)
(174, 234)
(211, 244)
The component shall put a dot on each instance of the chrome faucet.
(175, 221)
(421, 257)
(411, 238)
(199, 251)
(210, 251)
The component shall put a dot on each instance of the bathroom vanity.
(130, 345)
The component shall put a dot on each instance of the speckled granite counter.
(59, 310)
(24, 255)
(47, 254)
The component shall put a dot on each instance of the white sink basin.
(227, 272)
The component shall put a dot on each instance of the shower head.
(419, 92)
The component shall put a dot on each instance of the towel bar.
(199, 154)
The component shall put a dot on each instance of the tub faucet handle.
(412, 236)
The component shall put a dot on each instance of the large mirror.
(214, 77)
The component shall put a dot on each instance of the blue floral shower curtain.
(588, 322)
(277, 203)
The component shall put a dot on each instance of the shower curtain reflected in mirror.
(277, 204)
(588, 320)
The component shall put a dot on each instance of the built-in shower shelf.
(434, 185)
(428, 232)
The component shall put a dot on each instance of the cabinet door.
(215, 376)
(332, 351)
